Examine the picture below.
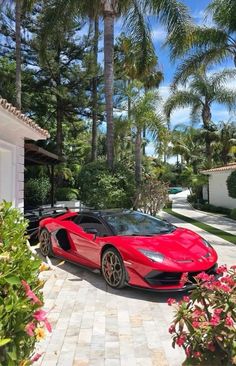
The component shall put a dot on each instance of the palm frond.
(220, 78)
(223, 13)
(139, 31)
(180, 98)
(226, 97)
(195, 61)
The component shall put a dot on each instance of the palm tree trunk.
(138, 156)
(109, 77)
(18, 53)
(206, 118)
(94, 92)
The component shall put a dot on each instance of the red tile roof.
(231, 166)
(27, 121)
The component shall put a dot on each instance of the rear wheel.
(45, 243)
(113, 269)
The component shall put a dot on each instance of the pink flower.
(225, 288)
(29, 328)
(36, 357)
(171, 301)
(218, 311)
(188, 351)
(184, 278)
(172, 329)
(180, 340)
(195, 324)
(229, 321)
(186, 298)
(197, 354)
(40, 316)
(221, 269)
(30, 294)
(215, 320)
(233, 267)
(197, 313)
(228, 280)
(203, 276)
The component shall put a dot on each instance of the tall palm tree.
(171, 13)
(205, 45)
(144, 113)
(203, 90)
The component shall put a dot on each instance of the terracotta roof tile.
(27, 121)
(231, 166)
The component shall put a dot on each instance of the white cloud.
(159, 34)
(150, 149)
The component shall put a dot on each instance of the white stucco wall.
(218, 192)
(12, 138)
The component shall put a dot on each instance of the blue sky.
(197, 11)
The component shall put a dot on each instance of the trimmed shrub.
(37, 191)
(233, 214)
(231, 184)
(100, 188)
(66, 194)
(21, 320)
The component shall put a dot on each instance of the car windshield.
(135, 223)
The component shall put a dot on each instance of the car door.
(89, 250)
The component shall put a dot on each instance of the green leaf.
(4, 341)
(12, 280)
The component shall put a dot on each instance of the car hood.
(181, 244)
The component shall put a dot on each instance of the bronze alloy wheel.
(45, 243)
(113, 268)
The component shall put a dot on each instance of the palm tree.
(172, 13)
(203, 90)
(144, 113)
(204, 45)
(227, 141)
(131, 66)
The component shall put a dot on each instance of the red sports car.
(129, 247)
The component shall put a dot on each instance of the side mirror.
(91, 230)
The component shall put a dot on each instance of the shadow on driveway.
(96, 280)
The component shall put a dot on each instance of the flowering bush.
(22, 321)
(204, 324)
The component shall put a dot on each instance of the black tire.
(45, 243)
(113, 269)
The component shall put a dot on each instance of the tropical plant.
(203, 90)
(37, 191)
(204, 323)
(99, 188)
(204, 45)
(226, 142)
(22, 320)
(144, 114)
(172, 13)
(231, 184)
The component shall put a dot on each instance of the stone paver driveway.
(95, 325)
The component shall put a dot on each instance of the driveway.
(96, 325)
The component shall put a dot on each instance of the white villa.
(15, 128)
(217, 190)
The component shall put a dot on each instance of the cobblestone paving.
(95, 325)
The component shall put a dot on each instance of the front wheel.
(113, 269)
(45, 243)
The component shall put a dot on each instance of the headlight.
(154, 256)
(205, 242)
